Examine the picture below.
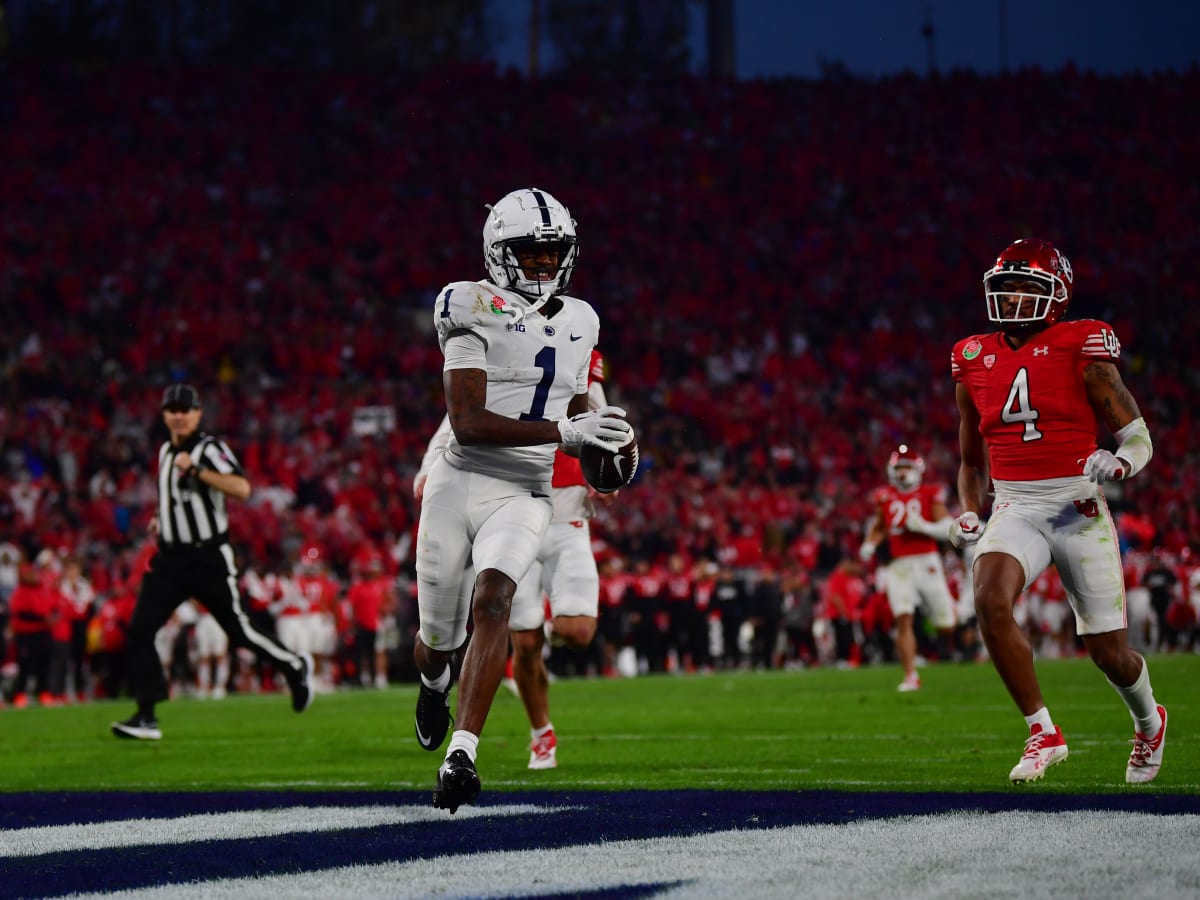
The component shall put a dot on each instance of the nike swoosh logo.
(424, 741)
(576, 337)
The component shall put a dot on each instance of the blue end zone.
(595, 817)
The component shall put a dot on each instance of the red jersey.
(1049, 586)
(566, 468)
(894, 507)
(850, 588)
(613, 588)
(367, 598)
(1033, 406)
(320, 592)
(33, 608)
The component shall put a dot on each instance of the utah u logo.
(1087, 508)
(1111, 344)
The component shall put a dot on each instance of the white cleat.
(1146, 758)
(911, 682)
(542, 752)
(1043, 749)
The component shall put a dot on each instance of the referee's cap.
(180, 396)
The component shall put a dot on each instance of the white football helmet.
(905, 469)
(529, 215)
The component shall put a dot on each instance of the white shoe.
(911, 682)
(1043, 749)
(1146, 758)
(541, 752)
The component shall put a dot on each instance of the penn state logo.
(549, 329)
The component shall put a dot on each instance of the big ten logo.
(1087, 508)
(1111, 344)
(515, 326)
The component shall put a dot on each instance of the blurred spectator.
(1160, 580)
(33, 609)
(845, 594)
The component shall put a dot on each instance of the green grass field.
(842, 730)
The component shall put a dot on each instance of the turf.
(842, 730)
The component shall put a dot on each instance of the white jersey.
(535, 366)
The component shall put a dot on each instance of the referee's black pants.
(208, 575)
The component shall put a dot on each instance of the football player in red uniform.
(1029, 396)
(912, 517)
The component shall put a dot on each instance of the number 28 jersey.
(1033, 405)
(534, 365)
(895, 506)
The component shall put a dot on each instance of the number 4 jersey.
(1032, 402)
(534, 366)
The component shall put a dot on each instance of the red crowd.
(780, 268)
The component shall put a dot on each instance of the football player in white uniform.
(517, 352)
(564, 570)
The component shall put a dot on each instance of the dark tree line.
(602, 36)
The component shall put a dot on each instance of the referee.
(195, 473)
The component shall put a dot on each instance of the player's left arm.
(1115, 406)
(938, 528)
(875, 533)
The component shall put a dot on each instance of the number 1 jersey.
(1033, 405)
(535, 366)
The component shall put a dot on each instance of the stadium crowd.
(780, 267)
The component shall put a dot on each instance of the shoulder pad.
(1096, 340)
(965, 351)
(471, 306)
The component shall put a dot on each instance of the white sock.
(441, 683)
(536, 733)
(1041, 717)
(465, 741)
(1139, 697)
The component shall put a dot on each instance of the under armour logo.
(1041, 351)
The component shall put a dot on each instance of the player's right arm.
(466, 317)
(972, 470)
(876, 532)
(475, 424)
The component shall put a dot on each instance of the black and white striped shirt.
(196, 517)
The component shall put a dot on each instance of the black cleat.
(433, 717)
(301, 684)
(458, 783)
(138, 727)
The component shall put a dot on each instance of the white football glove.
(1103, 466)
(603, 427)
(966, 529)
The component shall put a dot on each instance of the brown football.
(607, 470)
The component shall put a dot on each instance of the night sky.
(882, 37)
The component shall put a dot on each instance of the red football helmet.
(1029, 260)
(905, 468)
